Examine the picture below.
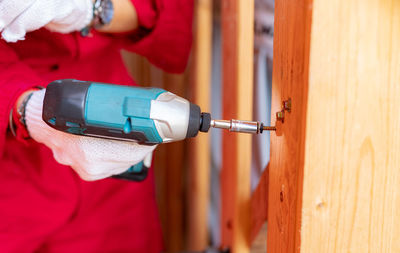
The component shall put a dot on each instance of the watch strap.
(102, 15)
(17, 123)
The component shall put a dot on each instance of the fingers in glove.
(76, 20)
(11, 9)
(115, 151)
(86, 175)
(31, 19)
(92, 172)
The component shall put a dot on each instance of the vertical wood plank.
(229, 141)
(334, 173)
(174, 175)
(351, 194)
(289, 80)
(199, 168)
(237, 44)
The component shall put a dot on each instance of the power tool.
(148, 116)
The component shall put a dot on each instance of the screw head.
(280, 116)
(287, 105)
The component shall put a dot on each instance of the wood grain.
(290, 80)
(351, 193)
(237, 49)
(174, 175)
(199, 164)
(229, 140)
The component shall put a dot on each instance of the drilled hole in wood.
(320, 204)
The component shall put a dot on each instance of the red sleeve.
(15, 78)
(165, 32)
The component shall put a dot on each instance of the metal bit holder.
(242, 126)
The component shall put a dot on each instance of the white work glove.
(17, 17)
(92, 158)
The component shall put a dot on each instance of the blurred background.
(189, 207)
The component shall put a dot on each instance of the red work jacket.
(37, 195)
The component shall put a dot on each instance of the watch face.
(107, 12)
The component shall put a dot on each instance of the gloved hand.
(92, 158)
(17, 17)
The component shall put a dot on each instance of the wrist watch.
(17, 116)
(103, 13)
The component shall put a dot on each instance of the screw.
(266, 128)
(287, 105)
(269, 128)
(280, 116)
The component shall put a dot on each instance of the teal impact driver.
(148, 116)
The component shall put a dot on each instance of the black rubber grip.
(205, 122)
(65, 102)
(194, 121)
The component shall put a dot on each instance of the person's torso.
(56, 56)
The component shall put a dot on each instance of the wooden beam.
(237, 50)
(351, 194)
(289, 80)
(199, 169)
(334, 169)
(229, 141)
(174, 176)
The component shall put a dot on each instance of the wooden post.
(174, 175)
(289, 80)
(199, 169)
(237, 50)
(334, 169)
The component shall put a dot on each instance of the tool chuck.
(241, 126)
